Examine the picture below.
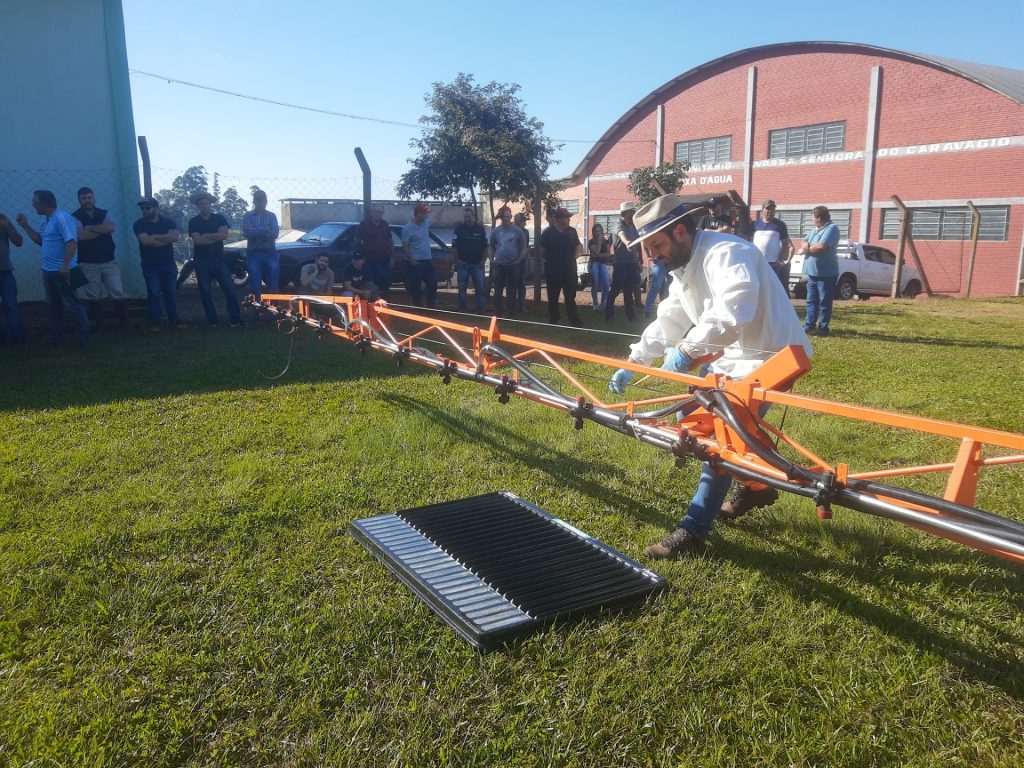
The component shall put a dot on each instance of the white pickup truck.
(864, 270)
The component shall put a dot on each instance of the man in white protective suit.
(725, 305)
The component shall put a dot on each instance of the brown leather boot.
(745, 499)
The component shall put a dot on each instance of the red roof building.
(844, 125)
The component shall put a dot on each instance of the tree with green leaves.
(176, 204)
(650, 182)
(232, 206)
(478, 137)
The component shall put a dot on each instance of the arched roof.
(1007, 82)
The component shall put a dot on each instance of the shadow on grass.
(853, 333)
(142, 365)
(567, 470)
(798, 569)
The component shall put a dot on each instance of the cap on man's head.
(469, 209)
(563, 213)
(198, 196)
(421, 208)
(768, 204)
(629, 205)
(148, 202)
(660, 214)
(356, 256)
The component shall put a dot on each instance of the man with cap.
(469, 247)
(559, 247)
(716, 219)
(725, 307)
(157, 235)
(208, 231)
(625, 264)
(416, 246)
(771, 236)
(508, 251)
(357, 279)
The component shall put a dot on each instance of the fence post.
(367, 181)
(975, 228)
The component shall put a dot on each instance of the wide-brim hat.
(660, 214)
(629, 205)
(200, 195)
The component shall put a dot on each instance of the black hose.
(936, 503)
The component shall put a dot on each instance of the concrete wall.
(67, 122)
(304, 214)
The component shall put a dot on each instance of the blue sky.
(581, 65)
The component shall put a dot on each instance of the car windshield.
(323, 234)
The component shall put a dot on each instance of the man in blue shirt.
(416, 245)
(261, 229)
(821, 265)
(58, 237)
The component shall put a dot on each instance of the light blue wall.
(67, 121)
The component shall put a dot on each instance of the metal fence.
(118, 192)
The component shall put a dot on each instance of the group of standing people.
(80, 272)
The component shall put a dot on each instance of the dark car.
(336, 239)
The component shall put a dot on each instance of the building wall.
(67, 122)
(940, 140)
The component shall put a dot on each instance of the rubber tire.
(912, 289)
(799, 291)
(846, 288)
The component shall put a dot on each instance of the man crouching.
(726, 303)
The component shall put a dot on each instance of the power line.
(332, 113)
(272, 101)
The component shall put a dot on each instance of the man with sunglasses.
(157, 235)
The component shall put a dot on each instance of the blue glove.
(619, 380)
(677, 361)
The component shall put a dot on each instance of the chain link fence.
(117, 191)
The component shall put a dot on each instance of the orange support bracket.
(963, 479)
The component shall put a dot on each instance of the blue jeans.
(380, 272)
(505, 279)
(420, 273)
(63, 301)
(521, 285)
(475, 272)
(820, 293)
(9, 297)
(712, 488)
(599, 283)
(160, 281)
(264, 266)
(625, 280)
(658, 275)
(208, 270)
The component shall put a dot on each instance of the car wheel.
(240, 277)
(799, 291)
(913, 288)
(846, 288)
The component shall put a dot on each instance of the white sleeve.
(734, 292)
(668, 329)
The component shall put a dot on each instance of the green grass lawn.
(178, 587)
